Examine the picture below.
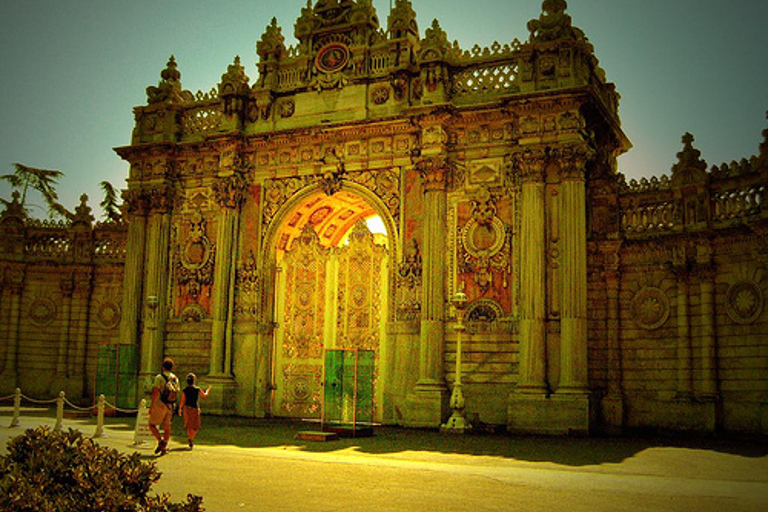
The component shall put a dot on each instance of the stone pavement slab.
(401, 470)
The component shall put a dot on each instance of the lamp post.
(457, 423)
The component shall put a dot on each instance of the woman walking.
(189, 407)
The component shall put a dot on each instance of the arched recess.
(296, 369)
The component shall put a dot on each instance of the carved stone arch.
(269, 242)
(271, 235)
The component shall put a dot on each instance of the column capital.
(434, 172)
(231, 191)
(137, 202)
(530, 163)
(572, 161)
(161, 198)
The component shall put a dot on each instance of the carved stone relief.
(744, 302)
(650, 308)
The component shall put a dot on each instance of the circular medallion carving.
(483, 239)
(42, 311)
(109, 314)
(301, 389)
(650, 308)
(332, 57)
(744, 302)
(196, 252)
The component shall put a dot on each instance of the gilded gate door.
(302, 307)
(326, 298)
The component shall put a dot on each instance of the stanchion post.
(59, 411)
(100, 418)
(16, 408)
(140, 415)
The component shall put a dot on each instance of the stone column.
(684, 362)
(67, 286)
(156, 285)
(613, 403)
(706, 273)
(434, 174)
(133, 271)
(573, 271)
(77, 361)
(533, 356)
(427, 405)
(230, 195)
(14, 285)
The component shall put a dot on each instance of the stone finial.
(402, 20)
(234, 80)
(83, 212)
(690, 168)
(554, 24)
(168, 90)
(436, 38)
(13, 208)
(272, 42)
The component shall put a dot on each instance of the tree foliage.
(48, 471)
(109, 203)
(43, 181)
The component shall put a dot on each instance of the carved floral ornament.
(42, 311)
(744, 302)
(649, 308)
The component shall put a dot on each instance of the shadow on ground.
(571, 451)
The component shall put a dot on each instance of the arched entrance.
(331, 291)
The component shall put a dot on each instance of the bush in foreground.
(48, 471)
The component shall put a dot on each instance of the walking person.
(189, 407)
(165, 391)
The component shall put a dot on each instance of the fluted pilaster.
(532, 274)
(434, 173)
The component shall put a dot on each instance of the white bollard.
(59, 411)
(142, 432)
(100, 418)
(16, 408)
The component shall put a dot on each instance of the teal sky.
(72, 70)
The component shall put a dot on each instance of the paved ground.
(258, 466)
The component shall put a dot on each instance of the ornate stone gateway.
(326, 298)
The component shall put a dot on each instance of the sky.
(72, 70)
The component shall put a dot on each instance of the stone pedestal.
(222, 398)
(426, 406)
(553, 415)
(612, 415)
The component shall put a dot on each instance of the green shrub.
(48, 471)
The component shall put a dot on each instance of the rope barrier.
(40, 402)
(4, 398)
(100, 405)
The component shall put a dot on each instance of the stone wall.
(61, 285)
(679, 330)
